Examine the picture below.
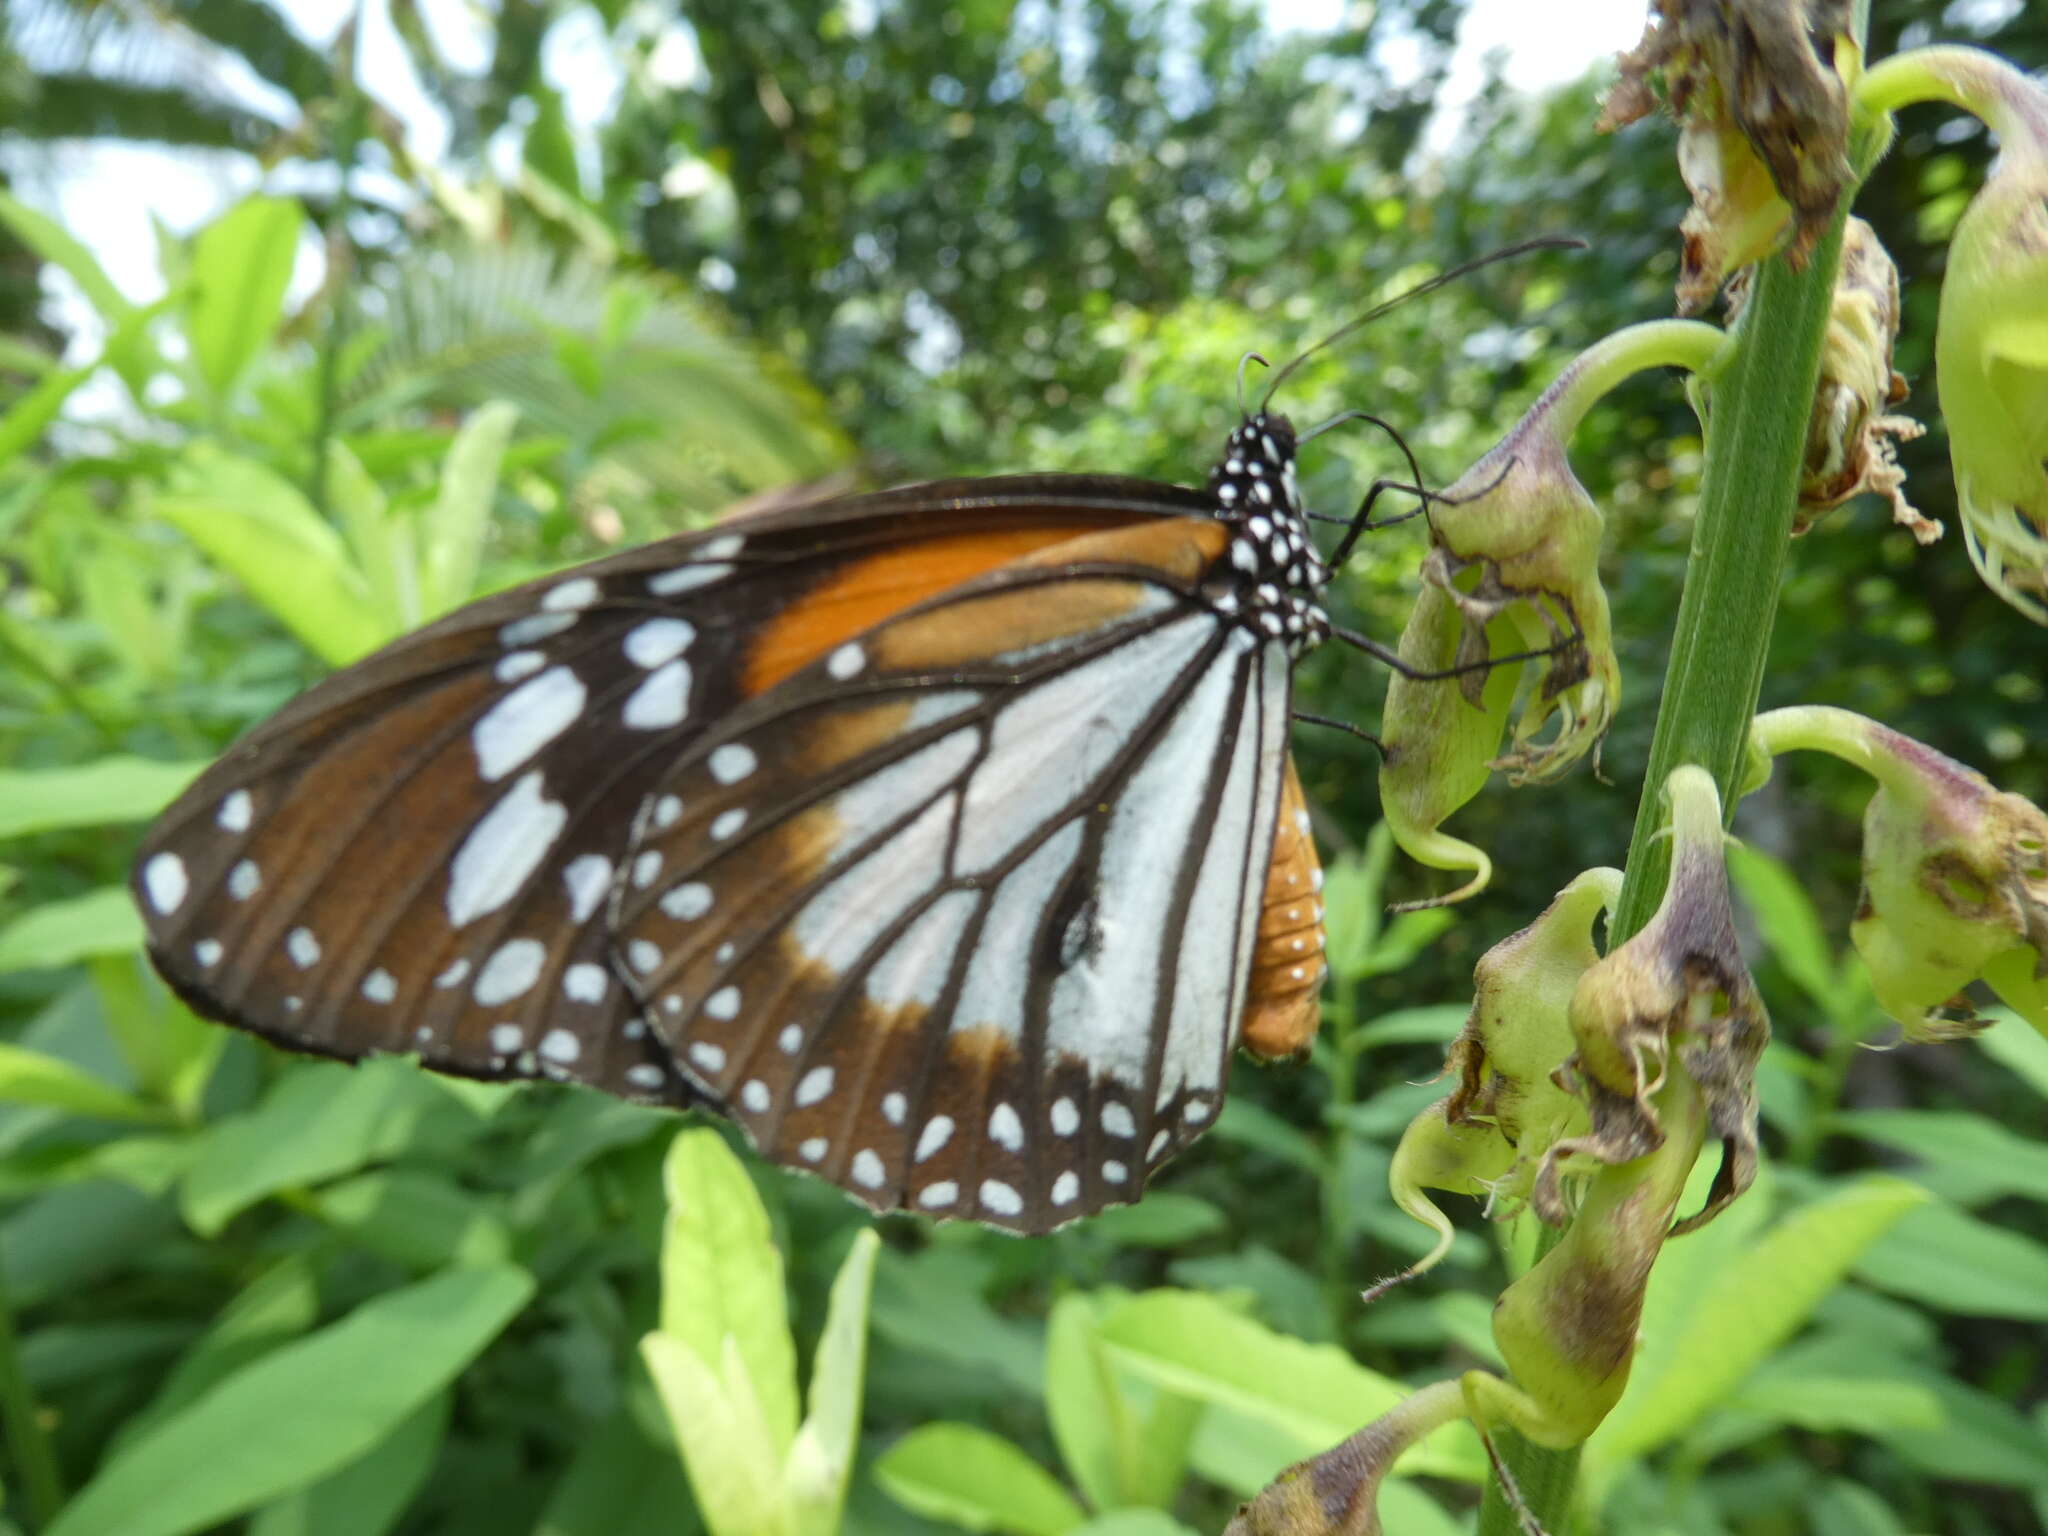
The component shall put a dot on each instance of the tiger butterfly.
(945, 838)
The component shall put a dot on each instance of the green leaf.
(56, 245)
(107, 792)
(1788, 923)
(732, 1456)
(71, 1237)
(380, 544)
(1161, 1220)
(1753, 1303)
(319, 1121)
(2022, 1048)
(1968, 1158)
(1859, 1405)
(1839, 1508)
(1090, 1417)
(1981, 1440)
(821, 1457)
(1133, 1522)
(1952, 1262)
(1197, 1346)
(24, 422)
(30, 1077)
(368, 1496)
(102, 922)
(422, 1220)
(241, 267)
(721, 1275)
(281, 1303)
(619, 1484)
(969, 1477)
(264, 533)
(1407, 1509)
(301, 1412)
(453, 529)
(1253, 1125)
(1436, 1024)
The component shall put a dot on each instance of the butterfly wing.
(469, 845)
(965, 921)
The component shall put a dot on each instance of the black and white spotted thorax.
(1272, 576)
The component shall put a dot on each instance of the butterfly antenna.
(1242, 362)
(1463, 269)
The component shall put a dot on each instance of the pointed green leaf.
(367, 1497)
(301, 1412)
(1752, 1304)
(2022, 1048)
(102, 922)
(241, 266)
(264, 533)
(732, 1458)
(821, 1457)
(381, 545)
(1945, 1259)
(56, 245)
(319, 1121)
(967, 1476)
(1092, 1423)
(23, 423)
(1968, 1158)
(1195, 1345)
(1787, 921)
(721, 1275)
(107, 792)
(452, 533)
(30, 1077)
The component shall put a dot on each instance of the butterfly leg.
(1306, 718)
(1361, 521)
(1392, 658)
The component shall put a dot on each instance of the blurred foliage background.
(886, 241)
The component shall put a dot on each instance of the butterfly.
(946, 838)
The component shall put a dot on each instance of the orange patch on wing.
(1179, 550)
(868, 591)
(1283, 1009)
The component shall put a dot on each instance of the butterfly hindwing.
(984, 955)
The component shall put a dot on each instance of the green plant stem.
(34, 1461)
(1982, 84)
(1763, 390)
(1594, 373)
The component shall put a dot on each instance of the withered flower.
(1955, 875)
(1764, 125)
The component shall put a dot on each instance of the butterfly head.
(1274, 572)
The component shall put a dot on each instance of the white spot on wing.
(510, 972)
(207, 951)
(754, 1097)
(813, 1149)
(518, 664)
(525, 720)
(733, 762)
(585, 983)
(236, 812)
(1066, 1188)
(380, 986)
(658, 641)
(503, 850)
(1001, 1198)
(726, 823)
(560, 1047)
(937, 1132)
(164, 878)
(894, 1107)
(244, 880)
(452, 977)
(813, 1086)
(707, 1055)
(846, 662)
(662, 700)
(507, 1038)
(692, 899)
(1066, 1119)
(868, 1171)
(945, 1192)
(687, 578)
(1117, 1121)
(588, 876)
(577, 592)
(535, 626)
(644, 956)
(645, 1075)
(723, 1004)
(303, 947)
(1005, 1129)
